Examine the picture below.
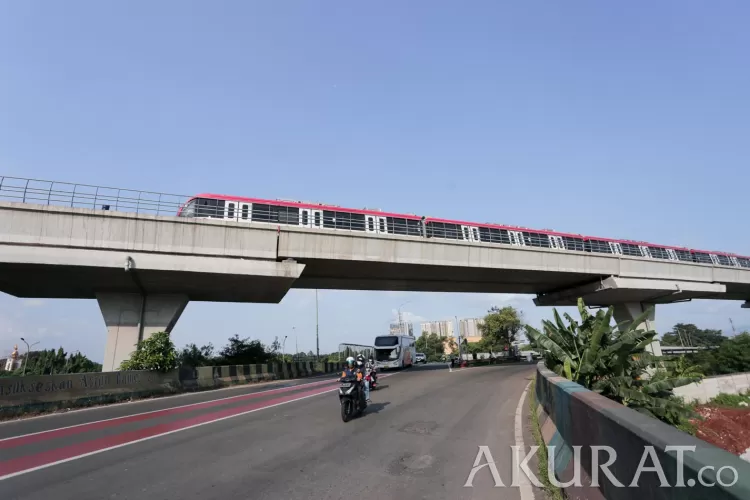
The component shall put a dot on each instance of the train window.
(724, 260)
(492, 235)
(316, 218)
(209, 208)
(743, 262)
(658, 253)
(275, 214)
(288, 215)
(188, 210)
(575, 244)
(443, 230)
(413, 227)
(631, 250)
(465, 233)
(702, 258)
(230, 210)
(371, 224)
(598, 246)
(684, 255)
(475, 233)
(535, 240)
(305, 217)
(245, 210)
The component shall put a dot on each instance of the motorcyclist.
(370, 368)
(363, 370)
(352, 370)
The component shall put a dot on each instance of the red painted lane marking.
(14, 467)
(25, 439)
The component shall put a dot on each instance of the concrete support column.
(629, 311)
(130, 318)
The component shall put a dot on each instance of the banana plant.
(612, 360)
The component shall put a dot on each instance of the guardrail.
(67, 194)
(644, 460)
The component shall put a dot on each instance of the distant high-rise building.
(439, 328)
(402, 329)
(470, 328)
(395, 329)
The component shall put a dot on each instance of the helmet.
(350, 361)
(360, 359)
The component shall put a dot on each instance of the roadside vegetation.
(53, 362)
(615, 362)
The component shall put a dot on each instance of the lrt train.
(375, 222)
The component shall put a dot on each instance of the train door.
(733, 261)
(556, 242)
(245, 211)
(645, 252)
(316, 216)
(470, 233)
(715, 260)
(230, 210)
(382, 224)
(371, 225)
(305, 217)
(615, 247)
(672, 254)
(516, 238)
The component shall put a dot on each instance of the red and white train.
(314, 215)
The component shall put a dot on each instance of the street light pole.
(283, 352)
(28, 350)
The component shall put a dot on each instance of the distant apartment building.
(470, 330)
(439, 328)
(402, 329)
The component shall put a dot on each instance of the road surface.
(418, 439)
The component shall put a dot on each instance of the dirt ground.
(727, 428)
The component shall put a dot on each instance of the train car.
(299, 213)
(371, 221)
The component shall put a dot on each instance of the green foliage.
(431, 346)
(55, 362)
(732, 356)
(613, 362)
(193, 356)
(500, 327)
(732, 400)
(156, 353)
(690, 335)
(244, 352)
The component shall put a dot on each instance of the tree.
(614, 363)
(244, 352)
(431, 346)
(732, 356)
(194, 356)
(690, 335)
(55, 362)
(156, 353)
(500, 327)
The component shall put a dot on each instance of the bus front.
(388, 352)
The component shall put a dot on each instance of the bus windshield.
(386, 341)
(386, 354)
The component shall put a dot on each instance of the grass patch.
(731, 400)
(550, 490)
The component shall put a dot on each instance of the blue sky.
(616, 119)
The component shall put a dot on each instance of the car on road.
(420, 358)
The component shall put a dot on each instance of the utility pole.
(317, 338)
(734, 331)
(28, 351)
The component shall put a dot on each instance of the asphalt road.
(418, 439)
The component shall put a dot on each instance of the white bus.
(394, 351)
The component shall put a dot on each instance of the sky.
(625, 120)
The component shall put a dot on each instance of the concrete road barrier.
(48, 392)
(571, 416)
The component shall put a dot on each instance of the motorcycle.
(351, 397)
(372, 377)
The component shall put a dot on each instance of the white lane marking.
(121, 445)
(228, 398)
(524, 487)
